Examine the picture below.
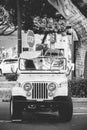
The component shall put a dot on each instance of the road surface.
(47, 121)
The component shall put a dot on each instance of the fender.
(18, 91)
(62, 91)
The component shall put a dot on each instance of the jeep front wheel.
(15, 110)
(66, 109)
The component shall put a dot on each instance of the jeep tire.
(15, 110)
(66, 109)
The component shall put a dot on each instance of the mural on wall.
(79, 23)
(72, 14)
(6, 25)
(65, 7)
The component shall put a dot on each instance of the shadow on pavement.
(40, 118)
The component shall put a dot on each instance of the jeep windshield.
(45, 63)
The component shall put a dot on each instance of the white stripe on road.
(78, 113)
(6, 121)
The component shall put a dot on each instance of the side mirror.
(68, 70)
(72, 66)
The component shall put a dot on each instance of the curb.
(80, 100)
(8, 82)
(83, 100)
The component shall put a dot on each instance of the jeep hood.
(42, 78)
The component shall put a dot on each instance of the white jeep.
(42, 85)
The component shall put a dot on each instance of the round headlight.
(51, 87)
(27, 87)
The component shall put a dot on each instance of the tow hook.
(31, 106)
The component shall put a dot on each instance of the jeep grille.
(39, 91)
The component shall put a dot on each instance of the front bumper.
(44, 105)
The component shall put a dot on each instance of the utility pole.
(19, 49)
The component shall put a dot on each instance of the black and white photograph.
(43, 64)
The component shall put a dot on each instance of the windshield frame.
(43, 70)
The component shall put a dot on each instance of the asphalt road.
(47, 121)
